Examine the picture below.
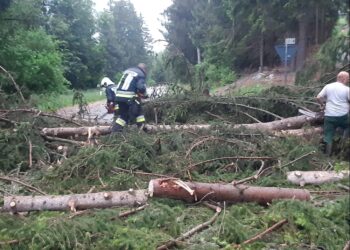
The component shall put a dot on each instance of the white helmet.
(106, 82)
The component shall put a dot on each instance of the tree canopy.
(209, 42)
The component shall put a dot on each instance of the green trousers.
(331, 123)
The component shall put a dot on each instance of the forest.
(232, 153)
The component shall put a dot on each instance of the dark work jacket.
(110, 93)
(132, 82)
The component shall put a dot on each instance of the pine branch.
(23, 184)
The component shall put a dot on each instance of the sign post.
(288, 41)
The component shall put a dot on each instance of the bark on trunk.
(74, 202)
(306, 133)
(315, 177)
(301, 52)
(287, 123)
(74, 131)
(195, 191)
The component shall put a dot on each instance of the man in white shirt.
(336, 96)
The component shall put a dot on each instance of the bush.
(213, 75)
(32, 57)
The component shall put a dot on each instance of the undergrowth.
(322, 223)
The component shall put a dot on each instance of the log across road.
(284, 124)
(159, 188)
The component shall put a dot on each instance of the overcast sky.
(151, 11)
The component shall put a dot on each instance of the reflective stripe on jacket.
(132, 82)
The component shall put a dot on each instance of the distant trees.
(122, 37)
(49, 45)
(27, 51)
(237, 34)
(73, 24)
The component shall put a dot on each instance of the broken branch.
(39, 113)
(78, 143)
(253, 177)
(191, 232)
(262, 234)
(132, 211)
(298, 159)
(191, 167)
(139, 173)
(14, 83)
(23, 184)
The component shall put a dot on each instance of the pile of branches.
(98, 164)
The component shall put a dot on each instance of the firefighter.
(110, 89)
(129, 92)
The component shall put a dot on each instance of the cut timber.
(315, 177)
(287, 123)
(195, 191)
(74, 202)
(307, 133)
(74, 131)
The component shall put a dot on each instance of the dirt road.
(96, 113)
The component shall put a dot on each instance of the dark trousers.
(129, 113)
(331, 123)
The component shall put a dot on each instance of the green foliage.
(33, 58)
(321, 222)
(53, 102)
(311, 226)
(79, 98)
(73, 24)
(335, 51)
(15, 147)
(117, 27)
(251, 90)
(210, 75)
(331, 55)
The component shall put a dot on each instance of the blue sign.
(281, 51)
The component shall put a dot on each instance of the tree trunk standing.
(195, 191)
(74, 202)
(261, 53)
(287, 123)
(316, 24)
(302, 22)
(199, 61)
(322, 25)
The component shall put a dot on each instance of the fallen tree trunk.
(195, 191)
(307, 133)
(74, 202)
(74, 131)
(315, 177)
(171, 188)
(287, 123)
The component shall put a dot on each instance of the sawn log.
(74, 202)
(284, 124)
(316, 177)
(196, 191)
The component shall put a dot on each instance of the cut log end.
(12, 204)
(107, 196)
(150, 188)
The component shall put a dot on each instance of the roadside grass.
(54, 102)
(250, 90)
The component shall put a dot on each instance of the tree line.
(53, 45)
(228, 36)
